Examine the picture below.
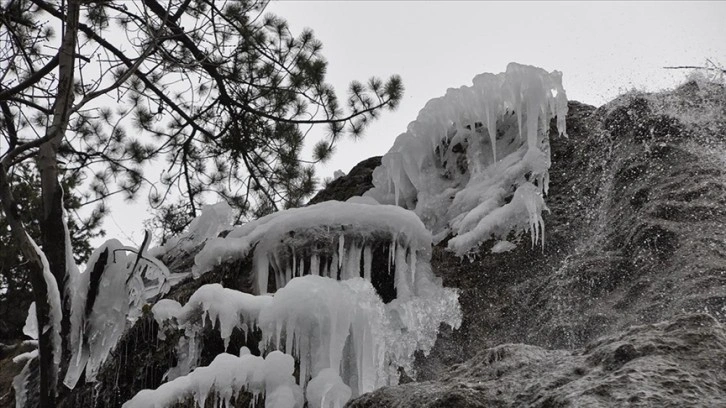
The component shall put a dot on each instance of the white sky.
(602, 48)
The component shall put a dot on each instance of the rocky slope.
(635, 235)
(671, 364)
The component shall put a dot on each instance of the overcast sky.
(602, 48)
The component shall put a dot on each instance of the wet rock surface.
(678, 363)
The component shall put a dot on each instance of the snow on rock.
(213, 220)
(474, 151)
(285, 243)
(225, 378)
(503, 246)
(338, 174)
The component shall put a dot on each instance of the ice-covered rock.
(332, 239)
(325, 324)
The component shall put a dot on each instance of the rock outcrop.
(678, 363)
(635, 235)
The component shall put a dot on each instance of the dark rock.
(355, 183)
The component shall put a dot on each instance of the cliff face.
(635, 235)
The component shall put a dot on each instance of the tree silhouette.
(222, 92)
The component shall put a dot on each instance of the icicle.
(413, 267)
(367, 263)
(262, 268)
(392, 254)
(341, 250)
(326, 268)
(401, 276)
(288, 273)
(315, 264)
(333, 272)
(294, 262)
(352, 268)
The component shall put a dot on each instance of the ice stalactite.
(469, 152)
(331, 239)
(326, 324)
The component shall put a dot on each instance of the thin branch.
(697, 67)
(31, 80)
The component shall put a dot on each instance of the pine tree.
(220, 91)
(14, 280)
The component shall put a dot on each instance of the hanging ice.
(471, 152)
(121, 293)
(329, 239)
(341, 332)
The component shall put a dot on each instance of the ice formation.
(21, 380)
(475, 162)
(54, 301)
(326, 324)
(213, 220)
(316, 318)
(226, 309)
(328, 239)
(223, 380)
(327, 390)
(474, 165)
(121, 294)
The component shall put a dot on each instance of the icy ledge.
(330, 239)
(475, 162)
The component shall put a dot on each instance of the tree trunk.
(52, 224)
